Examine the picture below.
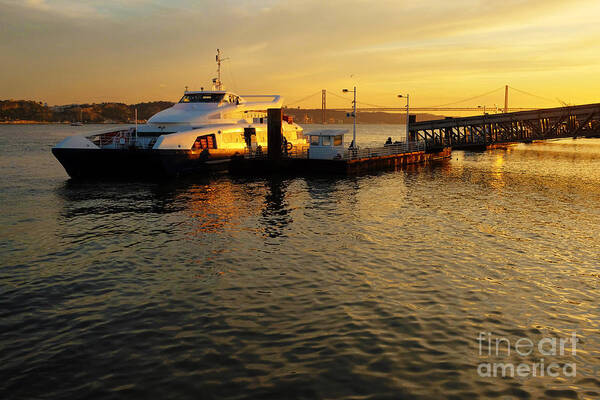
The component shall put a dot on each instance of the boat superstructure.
(202, 131)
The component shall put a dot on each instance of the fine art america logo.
(496, 347)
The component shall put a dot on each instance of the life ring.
(121, 137)
(289, 146)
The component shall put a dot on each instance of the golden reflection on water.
(497, 175)
(210, 208)
(389, 274)
(224, 205)
(558, 166)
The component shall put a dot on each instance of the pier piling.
(274, 142)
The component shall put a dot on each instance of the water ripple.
(367, 287)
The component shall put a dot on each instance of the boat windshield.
(202, 98)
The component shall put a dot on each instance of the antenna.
(217, 81)
(136, 125)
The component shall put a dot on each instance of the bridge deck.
(523, 126)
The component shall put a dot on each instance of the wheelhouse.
(327, 144)
(210, 97)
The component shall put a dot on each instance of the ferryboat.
(201, 132)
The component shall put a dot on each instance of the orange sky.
(61, 51)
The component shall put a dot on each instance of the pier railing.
(386, 150)
(260, 153)
(349, 154)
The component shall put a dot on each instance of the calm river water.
(393, 285)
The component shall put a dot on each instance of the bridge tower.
(323, 105)
(505, 99)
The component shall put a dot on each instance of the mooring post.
(274, 122)
(411, 119)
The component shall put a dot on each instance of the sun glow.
(64, 52)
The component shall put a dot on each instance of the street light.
(407, 98)
(354, 115)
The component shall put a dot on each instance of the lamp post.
(354, 115)
(407, 116)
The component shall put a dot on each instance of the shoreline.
(25, 122)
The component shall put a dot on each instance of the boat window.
(232, 137)
(337, 140)
(202, 98)
(205, 142)
(314, 139)
(326, 140)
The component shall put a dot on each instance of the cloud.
(61, 8)
(38, 4)
(59, 48)
(87, 9)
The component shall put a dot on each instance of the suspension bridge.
(507, 125)
(456, 106)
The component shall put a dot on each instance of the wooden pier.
(435, 140)
(353, 161)
(518, 127)
(263, 165)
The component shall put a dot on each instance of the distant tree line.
(27, 110)
(315, 116)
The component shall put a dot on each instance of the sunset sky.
(439, 51)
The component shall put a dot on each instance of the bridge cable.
(470, 98)
(403, 107)
(438, 106)
(533, 95)
(376, 106)
(338, 96)
(304, 98)
(357, 101)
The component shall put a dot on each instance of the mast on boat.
(217, 83)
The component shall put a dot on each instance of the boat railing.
(111, 138)
(385, 150)
(262, 153)
(122, 139)
(297, 152)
